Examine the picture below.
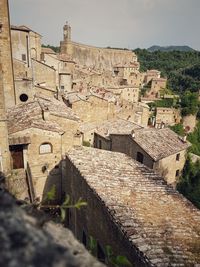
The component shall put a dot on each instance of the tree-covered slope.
(181, 68)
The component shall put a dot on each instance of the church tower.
(6, 55)
(66, 46)
(67, 32)
(7, 93)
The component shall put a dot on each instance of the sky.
(116, 23)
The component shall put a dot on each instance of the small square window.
(177, 173)
(178, 156)
(24, 57)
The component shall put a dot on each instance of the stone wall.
(100, 58)
(95, 109)
(6, 55)
(43, 166)
(168, 166)
(37, 242)
(44, 75)
(95, 219)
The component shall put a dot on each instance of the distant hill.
(183, 48)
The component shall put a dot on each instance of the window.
(140, 157)
(100, 144)
(177, 173)
(46, 148)
(23, 97)
(178, 157)
(24, 57)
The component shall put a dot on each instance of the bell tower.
(67, 32)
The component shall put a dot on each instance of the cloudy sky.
(117, 23)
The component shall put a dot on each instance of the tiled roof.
(117, 126)
(159, 143)
(30, 115)
(154, 218)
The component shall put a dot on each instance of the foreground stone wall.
(35, 242)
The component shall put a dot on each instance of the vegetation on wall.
(182, 69)
(54, 48)
(189, 103)
(194, 139)
(189, 184)
(178, 128)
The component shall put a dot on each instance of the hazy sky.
(117, 23)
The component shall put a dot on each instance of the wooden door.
(17, 157)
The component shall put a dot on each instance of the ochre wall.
(100, 58)
(5, 54)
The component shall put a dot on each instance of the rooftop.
(117, 126)
(30, 115)
(159, 143)
(156, 219)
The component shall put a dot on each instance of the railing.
(29, 178)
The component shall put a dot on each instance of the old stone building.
(7, 92)
(156, 149)
(167, 116)
(6, 55)
(130, 208)
(40, 133)
(90, 56)
(31, 75)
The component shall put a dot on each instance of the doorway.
(17, 156)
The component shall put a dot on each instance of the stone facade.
(6, 55)
(135, 212)
(44, 75)
(156, 149)
(167, 116)
(100, 58)
(40, 133)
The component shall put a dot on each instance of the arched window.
(46, 148)
(140, 157)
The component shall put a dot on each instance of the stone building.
(6, 55)
(167, 116)
(40, 133)
(135, 212)
(91, 107)
(157, 86)
(31, 75)
(64, 66)
(90, 56)
(7, 90)
(161, 150)
(151, 74)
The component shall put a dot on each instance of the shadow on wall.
(53, 186)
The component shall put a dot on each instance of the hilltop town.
(85, 122)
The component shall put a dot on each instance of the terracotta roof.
(161, 226)
(159, 143)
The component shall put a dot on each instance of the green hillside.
(181, 68)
